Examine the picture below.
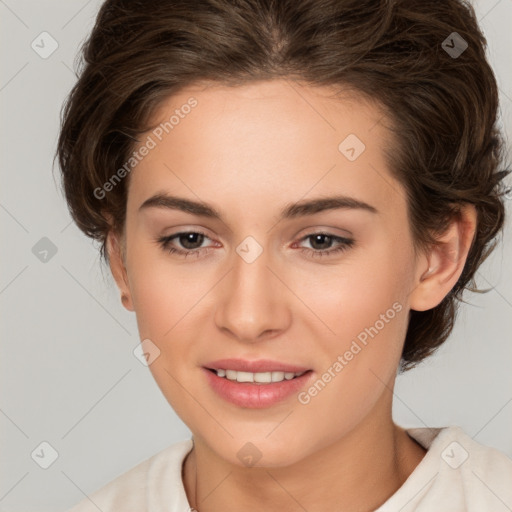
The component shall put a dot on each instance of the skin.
(249, 151)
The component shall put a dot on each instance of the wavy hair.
(441, 99)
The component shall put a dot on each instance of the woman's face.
(255, 286)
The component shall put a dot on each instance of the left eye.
(319, 238)
(196, 238)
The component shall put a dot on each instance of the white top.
(456, 474)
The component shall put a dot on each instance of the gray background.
(68, 373)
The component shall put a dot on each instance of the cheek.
(163, 290)
(364, 305)
(155, 291)
(162, 304)
(357, 293)
(165, 301)
(365, 309)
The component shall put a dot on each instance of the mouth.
(261, 378)
(257, 390)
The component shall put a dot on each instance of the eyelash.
(345, 244)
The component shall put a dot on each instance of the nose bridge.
(251, 303)
(250, 267)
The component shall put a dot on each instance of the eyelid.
(325, 230)
(307, 232)
(342, 244)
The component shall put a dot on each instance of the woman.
(292, 197)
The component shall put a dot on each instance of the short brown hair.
(441, 98)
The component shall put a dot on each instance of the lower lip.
(256, 396)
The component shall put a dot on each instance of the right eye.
(185, 238)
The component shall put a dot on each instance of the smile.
(258, 378)
(255, 390)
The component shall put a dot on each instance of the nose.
(252, 302)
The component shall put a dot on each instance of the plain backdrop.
(69, 377)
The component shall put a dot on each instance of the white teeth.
(230, 374)
(260, 378)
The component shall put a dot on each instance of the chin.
(260, 452)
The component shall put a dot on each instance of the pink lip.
(256, 396)
(262, 365)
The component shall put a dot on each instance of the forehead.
(271, 140)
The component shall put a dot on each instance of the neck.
(359, 471)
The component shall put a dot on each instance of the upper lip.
(259, 366)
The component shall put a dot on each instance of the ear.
(439, 269)
(116, 256)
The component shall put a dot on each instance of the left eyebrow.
(290, 211)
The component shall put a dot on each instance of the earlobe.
(440, 269)
(118, 269)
